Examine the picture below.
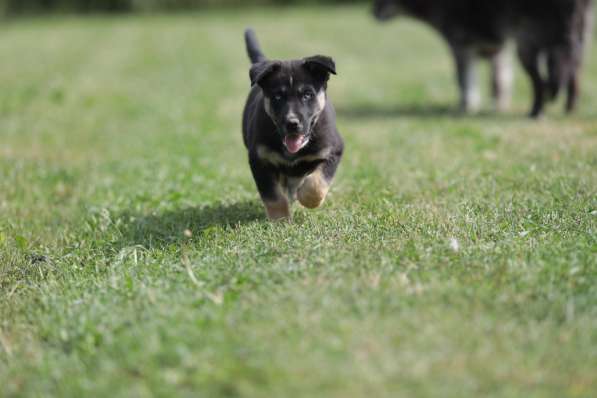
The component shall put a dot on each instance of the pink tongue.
(294, 142)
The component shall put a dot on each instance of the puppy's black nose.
(293, 125)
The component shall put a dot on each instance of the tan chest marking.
(276, 159)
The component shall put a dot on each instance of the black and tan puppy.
(289, 130)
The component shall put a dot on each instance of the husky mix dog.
(550, 36)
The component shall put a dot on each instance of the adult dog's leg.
(572, 92)
(529, 57)
(272, 194)
(556, 73)
(501, 79)
(470, 98)
(574, 63)
(583, 32)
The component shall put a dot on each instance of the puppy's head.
(384, 10)
(294, 95)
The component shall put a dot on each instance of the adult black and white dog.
(289, 130)
(550, 31)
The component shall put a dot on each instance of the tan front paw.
(313, 191)
(279, 210)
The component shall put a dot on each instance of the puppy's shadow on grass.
(177, 226)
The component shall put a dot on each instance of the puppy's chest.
(295, 166)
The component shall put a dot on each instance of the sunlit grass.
(455, 256)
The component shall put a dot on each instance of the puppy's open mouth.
(294, 142)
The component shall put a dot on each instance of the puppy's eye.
(277, 97)
(307, 95)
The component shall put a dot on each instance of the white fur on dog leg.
(502, 79)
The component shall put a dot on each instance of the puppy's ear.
(261, 70)
(320, 66)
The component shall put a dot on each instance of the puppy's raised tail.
(253, 48)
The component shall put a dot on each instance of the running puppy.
(289, 130)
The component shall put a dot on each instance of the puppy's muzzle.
(293, 125)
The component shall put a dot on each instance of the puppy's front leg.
(313, 191)
(278, 210)
(275, 201)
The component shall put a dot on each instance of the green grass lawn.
(454, 257)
